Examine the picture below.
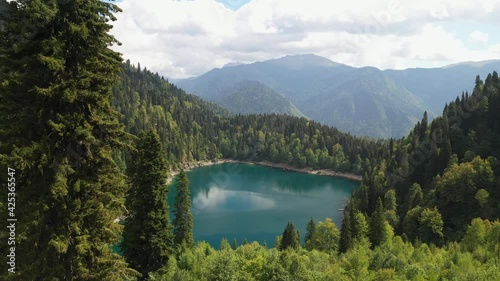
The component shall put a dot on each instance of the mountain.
(291, 76)
(231, 64)
(367, 102)
(437, 86)
(192, 129)
(252, 97)
(363, 101)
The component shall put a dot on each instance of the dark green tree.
(423, 127)
(431, 226)
(379, 231)
(390, 207)
(361, 228)
(147, 236)
(347, 230)
(310, 229)
(183, 221)
(58, 130)
(290, 237)
(415, 197)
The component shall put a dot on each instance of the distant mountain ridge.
(252, 97)
(363, 101)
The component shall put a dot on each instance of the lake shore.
(286, 167)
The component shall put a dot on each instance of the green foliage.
(457, 189)
(61, 132)
(355, 263)
(290, 237)
(191, 129)
(147, 235)
(361, 228)
(475, 235)
(380, 231)
(325, 237)
(447, 168)
(183, 221)
(310, 231)
(58, 130)
(252, 97)
(431, 225)
(363, 101)
(390, 200)
(347, 233)
(415, 197)
(482, 196)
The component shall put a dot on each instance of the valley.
(293, 168)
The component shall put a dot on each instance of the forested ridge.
(444, 174)
(195, 130)
(92, 139)
(417, 193)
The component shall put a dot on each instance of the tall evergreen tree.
(310, 229)
(183, 221)
(58, 130)
(291, 237)
(347, 230)
(380, 231)
(361, 228)
(147, 236)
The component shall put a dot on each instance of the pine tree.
(147, 236)
(57, 72)
(361, 228)
(311, 227)
(423, 127)
(290, 237)
(183, 221)
(379, 227)
(347, 230)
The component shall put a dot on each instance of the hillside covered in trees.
(88, 139)
(418, 198)
(194, 130)
(444, 174)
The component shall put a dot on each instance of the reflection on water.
(218, 199)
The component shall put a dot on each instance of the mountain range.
(364, 101)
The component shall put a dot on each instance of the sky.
(185, 38)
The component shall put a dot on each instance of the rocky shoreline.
(286, 167)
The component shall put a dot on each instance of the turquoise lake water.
(253, 202)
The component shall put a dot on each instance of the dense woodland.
(192, 129)
(444, 174)
(93, 139)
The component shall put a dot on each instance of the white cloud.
(478, 37)
(186, 38)
(218, 199)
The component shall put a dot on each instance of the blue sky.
(463, 31)
(183, 38)
(233, 4)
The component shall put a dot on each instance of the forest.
(93, 138)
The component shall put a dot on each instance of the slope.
(328, 92)
(192, 129)
(437, 86)
(444, 173)
(252, 97)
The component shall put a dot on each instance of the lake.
(253, 202)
